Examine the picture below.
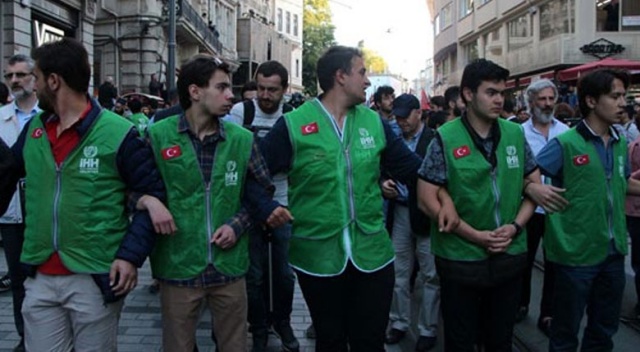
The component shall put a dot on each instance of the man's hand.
(224, 237)
(161, 218)
(448, 218)
(123, 277)
(389, 189)
(493, 242)
(547, 196)
(279, 217)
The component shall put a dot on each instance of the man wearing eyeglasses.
(20, 80)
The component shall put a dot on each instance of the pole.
(171, 69)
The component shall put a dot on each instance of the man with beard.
(453, 102)
(541, 97)
(259, 115)
(81, 248)
(13, 117)
(212, 170)
(107, 93)
(333, 149)
(383, 102)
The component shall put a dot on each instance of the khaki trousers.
(181, 312)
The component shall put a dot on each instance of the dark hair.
(249, 86)
(382, 91)
(508, 106)
(437, 118)
(270, 68)
(4, 93)
(67, 58)
(153, 104)
(481, 70)
(598, 83)
(198, 70)
(438, 101)
(135, 105)
(336, 58)
(451, 95)
(564, 112)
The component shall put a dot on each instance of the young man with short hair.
(483, 162)
(215, 176)
(587, 241)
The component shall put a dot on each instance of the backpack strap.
(249, 113)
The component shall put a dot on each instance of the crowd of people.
(234, 202)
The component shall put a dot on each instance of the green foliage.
(372, 60)
(317, 36)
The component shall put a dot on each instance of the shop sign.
(46, 33)
(602, 48)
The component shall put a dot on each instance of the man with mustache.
(259, 115)
(453, 102)
(541, 97)
(20, 79)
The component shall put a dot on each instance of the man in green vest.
(332, 149)
(82, 164)
(138, 117)
(587, 241)
(483, 163)
(214, 175)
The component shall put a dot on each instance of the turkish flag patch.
(171, 152)
(310, 128)
(37, 133)
(580, 160)
(461, 152)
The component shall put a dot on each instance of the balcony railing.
(189, 15)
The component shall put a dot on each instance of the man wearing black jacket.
(410, 236)
(82, 163)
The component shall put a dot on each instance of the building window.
(471, 51)
(557, 17)
(519, 32)
(295, 25)
(495, 35)
(436, 26)
(466, 7)
(297, 68)
(279, 20)
(482, 2)
(617, 15)
(288, 22)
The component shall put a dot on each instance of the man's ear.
(194, 92)
(591, 102)
(466, 93)
(54, 81)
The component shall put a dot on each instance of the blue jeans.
(258, 278)
(599, 288)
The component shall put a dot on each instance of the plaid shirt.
(205, 151)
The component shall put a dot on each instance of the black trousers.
(535, 232)
(13, 237)
(482, 314)
(349, 311)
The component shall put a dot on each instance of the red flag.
(425, 102)
(580, 160)
(171, 152)
(461, 152)
(310, 128)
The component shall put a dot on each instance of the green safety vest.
(199, 207)
(141, 121)
(333, 186)
(580, 235)
(484, 198)
(77, 208)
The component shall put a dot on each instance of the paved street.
(140, 325)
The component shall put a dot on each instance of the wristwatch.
(518, 228)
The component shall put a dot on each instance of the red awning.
(511, 83)
(573, 73)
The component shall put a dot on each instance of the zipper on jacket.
(207, 197)
(496, 194)
(56, 201)
(610, 212)
(352, 208)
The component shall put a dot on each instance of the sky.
(400, 31)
